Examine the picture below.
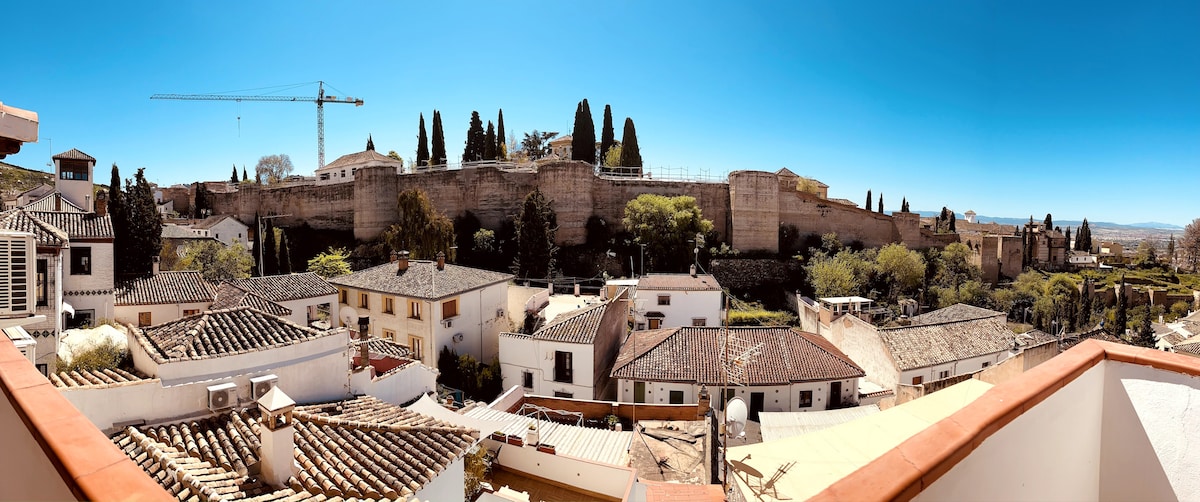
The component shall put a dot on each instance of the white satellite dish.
(735, 417)
(349, 317)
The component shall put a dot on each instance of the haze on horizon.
(1008, 109)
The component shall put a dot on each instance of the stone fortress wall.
(746, 211)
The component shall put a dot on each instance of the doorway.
(835, 395)
(756, 404)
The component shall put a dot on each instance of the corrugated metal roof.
(598, 445)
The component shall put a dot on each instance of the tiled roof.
(212, 221)
(79, 225)
(96, 378)
(385, 347)
(362, 448)
(921, 345)
(73, 154)
(282, 288)
(22, 221)
(579, 326)
(956, 312)
(184, 286)
(170, 231)
(219, 333)
(693, 354)
(229, 296)
(360, 158)
(421, 280)
(54, 201)
(679, 282)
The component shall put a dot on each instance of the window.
(562, 367)
(527, 379)
(449, 309)
(944, 374)
(389, 305)
(73, 170)
(414, 310)
(917, 380)
(362, 300)
(389, 334)
(81, 261)
(415, 346)
(655, 323)
(343, 296)
(189, 312)
(699, 321)
(567, 395)
(43, 368)
(143, 319)
(639, 392)
(676, 397)
(664, 299)
(43, 279)
(806, 399)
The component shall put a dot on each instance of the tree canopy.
(631, 155)
(501, 147)
(273, 168)
(536, 226)
(422, 144)
(137, 226)
(474, 149)
(1189, 245)
(583, 136)
(607, 137)
(438, 142)
(330, 263)
(665, 225)
(420, 228)
(537, 144)
(489, 142)
(217, 262)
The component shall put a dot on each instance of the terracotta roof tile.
(679, 282)
(385, 347)
(421, 280)
(282, 288)
(53, 201)
(96, 378)
(579, 326)
(693, 354)
(184, 286)
(921, 345)
(219, 333)
(956, 312)
(73, 154)
(78, 225)
(45, 233)
(229, 296)
(211, 221)
(361, 158)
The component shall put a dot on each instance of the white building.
(224, 228)
(342, 170)
(307, 296)
(790, 370)
(571, 356)
(162, 297)
(429, 305)
(675, 300)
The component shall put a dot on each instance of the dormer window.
(73, 170)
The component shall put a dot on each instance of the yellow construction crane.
(320, 100)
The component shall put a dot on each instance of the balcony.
(51, 451)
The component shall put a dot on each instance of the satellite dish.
(735, 417)
(348, 316)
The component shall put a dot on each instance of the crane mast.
(320, 100)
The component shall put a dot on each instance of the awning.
(655, 314)
(66, 307)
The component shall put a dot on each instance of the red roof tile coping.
(904, 471)
(90, 465)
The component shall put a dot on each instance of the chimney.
(577, 290)
(364, 354)
(693, 271)
(702, 402)
(58, 202)
(277, 440)
(87, 202)
(154, 266)
(441, 260)
(393, 257)
(102, 203)
(402, 261)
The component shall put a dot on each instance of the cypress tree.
(116, 212)
(583, 138)
(631, 156)
(1146, 336)
(1121, 317)
(869, 199)
(1085, 306)
(1171, 251)
(258, 242)
(880, 202)
(143, 227)
(370, 143)
(270, 251)
(952, 229)
(904, 205)
(489, 143)
(285, 254)
(1049, 222)
(501, 146)
(244, 177)
(1068, 235)
(438, 142)
(607, 138)
(474, 147)
(422, 144)
(233, 177)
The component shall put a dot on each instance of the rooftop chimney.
(693, 271)
(393, 257)
(576, 289)
(102, 203)
(364, 354)
(441, 260)
(154, 265)
(276, 438)
(402, 261)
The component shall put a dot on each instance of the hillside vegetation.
(16, 179)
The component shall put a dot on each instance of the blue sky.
(1088, 109)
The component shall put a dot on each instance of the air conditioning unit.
(458, 337)
(259, 386)
(448, 323)
(222, 396)
(18, 279)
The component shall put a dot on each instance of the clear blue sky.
(1087, 109)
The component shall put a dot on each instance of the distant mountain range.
(1059, 223)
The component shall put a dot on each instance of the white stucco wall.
(775, 397)
(401, 386)
(520, 354)
(450, 484)
(230, 231)
(860, 341)
(685, 305)
(955, 368)
(608, 480)
(102, 268)
(161, 313)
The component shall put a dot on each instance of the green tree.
(1063, 293)
(217, 262)
(485, 241)
(1048, 222)
(233, 177)
(245, 179)
(1145, 334)
(420, 228)
(880, 208)
(583, 136)
(536, 226)
(332, 262)
(256, 245)
(664, 225)
(1083, 321)
(903, 204)
(438, 142)
(422, 143)
(607, 137)
(489, 143)
(902, 270)
(869, 201)
(537, 144)
(273, 167)
(631, 155)
(270, 250)
(1147, 255)
(1083, 238)
(142, 228)
(1189, 244)
(613, 157)
(1120, 320)
(955, 266)
(370, 143)
(116, 215)
(1171, 251)
(837, 275)
(501, 148)
(285, 254)
(474, 150)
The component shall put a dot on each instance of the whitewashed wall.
(604, 479)
(685, 305)
(860, 341)
(450, 484)
(161, 313)
(955, 368)
(401, 386)
(775, 397)
(520, 354)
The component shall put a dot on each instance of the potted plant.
(532, 436)
(612, 421)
